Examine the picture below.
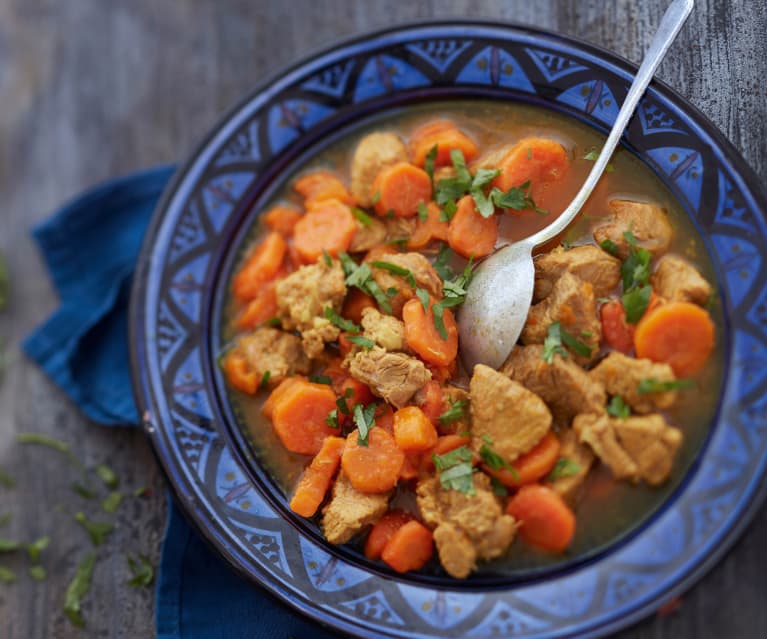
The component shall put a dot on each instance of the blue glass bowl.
(212, 201)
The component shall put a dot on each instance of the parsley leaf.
(423, 213)
(440, 263)
(564, 468)
(635, 303)
(483, 177)
(361, 277)
(36, 547)
(498, 488)
(142, 573)
(332, 418)
(517, 198)
(362, 342)
(459, 163)
(376, 197)
(424, 298)
(650, 385)
(428, 164)
(618, 408)
(574, 344)
(395, 269)
(320, 379)
(265, 379)
(455, 470)
(364, 420)
(77, 589)
(556, 338)
(112, 502)
(97, 531)
(608, 246)
(453, 457)
(107, 475)
(454, 413)
(336, 320)
(362, 217)
(495, 461)
(341, 402)
(438, 310)
(448, 211)
(327, 258)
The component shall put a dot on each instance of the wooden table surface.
(90, 89)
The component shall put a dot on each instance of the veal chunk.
(676, 280)
(302, 298)
(373, 153)
(393, 376)
(633, 448)
(588, 262)
(467, 528)
(505, 413)
(648, 223)
(566, 388)
(269, 349)
(385, 330)
(350, 510)
(423, 273)
(579, 459)
(573, 304)
(621, 376)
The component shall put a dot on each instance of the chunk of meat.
(512, 417)
(621, 375)
(393, 376)
(374, 152)
(273, 350)
(580, 460)
(676, 280)
(399, 229)
(349, 510)
(573, 304)
(305, 294)
(423, 272)
(313, 339)
(386, 331)
(369, 234)
(648, 222)
(467, 528)
(588, 262)
(633, 448)
(566, 388)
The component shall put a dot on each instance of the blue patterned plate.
(175, 316)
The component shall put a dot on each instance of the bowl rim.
(749, 183)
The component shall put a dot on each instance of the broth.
(607, 509)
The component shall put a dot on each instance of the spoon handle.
(670, 26)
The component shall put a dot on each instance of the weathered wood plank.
(91, 89)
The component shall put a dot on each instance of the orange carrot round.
(531, 466)
(469, 234)
(422, 336)
(547, 521)
(446, 136)
(329, 228)
(281, 219)
(445, 443)
(617, 333)
(355, 392)
(409, 548)
(299, 414)
(374, 468)
(411, 467)
(382, 532)
(432, 228)
(239, 373)
(432, 402)
(679, 333)
(277, 392)
(356, 301)
(260, 309)
(314, 483)
(322, 185)
(384, 417)
(413, 431)
(262, 264)
(401, 188)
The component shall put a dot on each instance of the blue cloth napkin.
(90, 247)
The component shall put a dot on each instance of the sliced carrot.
(277, 392)
(410, 469)
(409, 548)
(281, 219)
(318, 186)
(432, 400)
(413, 431)
(240, 373)
(337, 374)
(531, 466)
(299, 414)
(382, 532)
(432, 228)
(679, 333)
(547, 521)
(445, 444)
(374, 468)
(260, 309)
(540, 161)
(329, 228)
(314, 483)
(356, 301)
(469, 234)
(401, 188)
(443, 374)
(446, 136)
(422, 336)
(262, 264)
(384, 417)
(355, 392)
(616, 331)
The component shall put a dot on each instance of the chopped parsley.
(423, 213)
(341, 402)
(6, 480)
(448, 211)
(332, 418)
(635, 303)
(77, 589)
(321, 379)
(424, 298)
(455, 470)
(396, 270)
(454, 413)
(38, 573)
(7, 575)
(362, 342)
(265, 379)
(36, 547)
(376, 197)
(608, 246)
(361, 277)
(327, 258)
(362, 217)
(494, 460)
(498, 488)
(618, 408)
(635, 275)
(364, 420)
(564, 468)
(142, 572)
(108, 476)
(454, 291)
(440, 263)
(517, 198)
(112, 502)
(593, 155)
(97, 531)
(651, 385)
(428, 164)
(336, 320)
(556, 340)
(274, 321)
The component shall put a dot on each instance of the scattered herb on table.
(78, 589)
(38, 573)
(6, 480)
(97, 531)
(36, 547)
(108, 476)
(5, 519)
(43, 440)
(142, 572)
(7, 575)
(112, 502)
(9, 545)
(84, 491)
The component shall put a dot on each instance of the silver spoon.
(499, 297)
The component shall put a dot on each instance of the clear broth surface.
(607, 509)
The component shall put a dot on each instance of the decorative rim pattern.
(209, 202)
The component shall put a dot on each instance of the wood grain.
(94, 88)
